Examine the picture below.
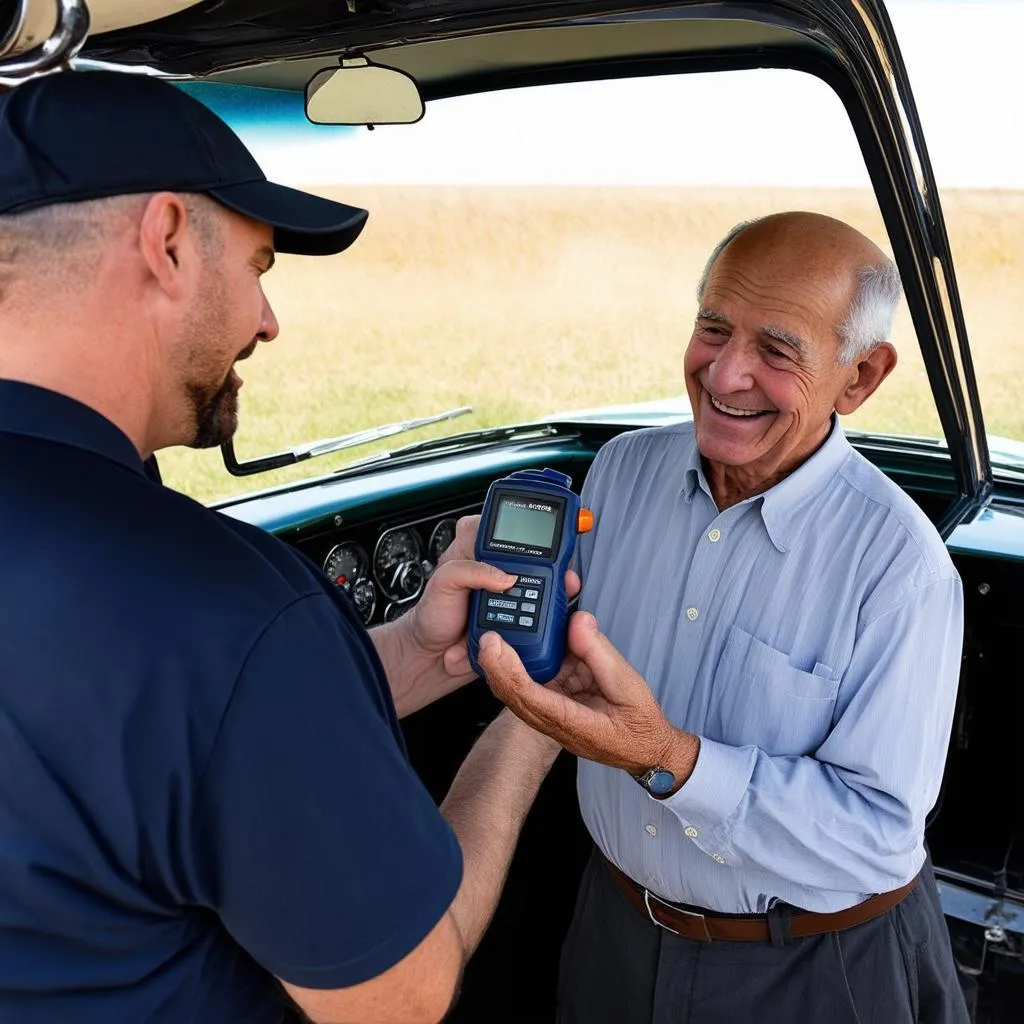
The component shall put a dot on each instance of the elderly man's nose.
(731, 369)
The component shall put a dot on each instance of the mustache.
(248, 350)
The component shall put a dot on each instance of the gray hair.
(868, 321)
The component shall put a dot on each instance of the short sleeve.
(312, 837)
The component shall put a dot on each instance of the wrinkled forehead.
(797, 289)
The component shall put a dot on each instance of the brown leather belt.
(694, 924)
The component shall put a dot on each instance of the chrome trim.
(984, 911)
(69, 35)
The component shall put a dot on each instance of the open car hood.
(461, 46)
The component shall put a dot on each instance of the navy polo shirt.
(202, 779)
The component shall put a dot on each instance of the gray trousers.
(618, 967)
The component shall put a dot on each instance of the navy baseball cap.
(79, 135)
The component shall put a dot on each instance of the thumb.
(504, 672)
(608, 667)
(465, 574)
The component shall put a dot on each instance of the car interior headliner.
(449, 47)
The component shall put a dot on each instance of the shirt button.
(715, 535)
(651, 830)
(718, 857)
(690, 831)
(692, 613)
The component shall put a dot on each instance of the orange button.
(584, 521)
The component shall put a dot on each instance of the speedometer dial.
(346, 563)
(397, 564)
(441, 538)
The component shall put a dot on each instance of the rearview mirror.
(359, 92)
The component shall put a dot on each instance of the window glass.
(964, 65)
(528, 252)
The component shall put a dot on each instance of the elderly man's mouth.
(730, 410)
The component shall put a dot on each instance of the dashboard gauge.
(364, 597)
(440, 539)
(397, 564)
(396, 611)
(346, 563)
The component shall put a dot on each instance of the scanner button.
(514, 592)
(502, 617)
(531, 595)
(525, 620)
(497, 602)
(528, 606)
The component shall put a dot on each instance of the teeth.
(722, 407)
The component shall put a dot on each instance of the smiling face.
(762, 371)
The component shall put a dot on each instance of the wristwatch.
(657, 781)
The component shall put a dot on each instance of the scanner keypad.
(515, 608)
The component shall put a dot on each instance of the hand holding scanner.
(528, 528)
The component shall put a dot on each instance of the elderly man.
(205, 801)
(761, 745)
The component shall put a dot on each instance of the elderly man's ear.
(870, 370)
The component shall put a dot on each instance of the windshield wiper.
(474, 439)
(331, 444)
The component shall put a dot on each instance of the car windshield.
(536, 251)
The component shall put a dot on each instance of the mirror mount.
(359, 92)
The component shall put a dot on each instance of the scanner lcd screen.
(525, 522)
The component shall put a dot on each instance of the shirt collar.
(37, 412)
(779, 503)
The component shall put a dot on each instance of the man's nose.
(269, 328)
(732, 368)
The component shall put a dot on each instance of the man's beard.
(214, 406)
(216, 414)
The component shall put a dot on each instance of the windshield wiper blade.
(331, 444)
(457, 441)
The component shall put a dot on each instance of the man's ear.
(166, 243)
(871, 369)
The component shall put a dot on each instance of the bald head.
(833, 257)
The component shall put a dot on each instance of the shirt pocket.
(759, 699)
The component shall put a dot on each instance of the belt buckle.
(648, 896)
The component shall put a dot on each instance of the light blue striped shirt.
(810, 636)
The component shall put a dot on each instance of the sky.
(756, 128)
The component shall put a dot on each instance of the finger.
(456, 661)
(614, 676)
(547, 710)
(572, 584)
(467, 574)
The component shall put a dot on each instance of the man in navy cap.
(205, 802)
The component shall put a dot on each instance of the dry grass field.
(523, 302)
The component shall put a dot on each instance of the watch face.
(661, 782)
(657, 781)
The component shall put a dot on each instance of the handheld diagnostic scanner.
(528, 528)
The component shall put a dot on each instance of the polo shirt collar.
(37, 412)
(779, 503)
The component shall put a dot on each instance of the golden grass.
(526, 301)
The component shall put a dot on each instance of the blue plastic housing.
(541, 645)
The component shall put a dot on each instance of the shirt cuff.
(716, 786)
